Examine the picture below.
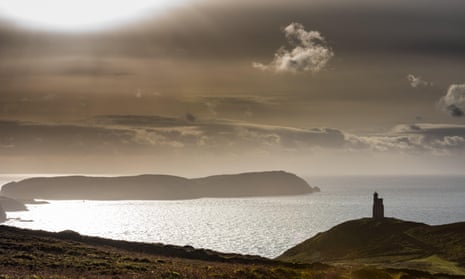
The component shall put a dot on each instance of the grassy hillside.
(39, 254)
(389, 242)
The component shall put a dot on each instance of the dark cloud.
(139, 121)
(147, 134)
(126, 133)
(94, 71)
(32, 139)
(431, 130)
(454, 111)
(239, 105)
(149, 143)
(421, 26)
(454, 101)
(416, 139)
(190, 117)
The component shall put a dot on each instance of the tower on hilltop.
(378, 207)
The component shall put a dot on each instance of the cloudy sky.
(203, 87)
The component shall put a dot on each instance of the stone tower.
(378, 207)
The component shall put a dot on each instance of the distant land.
(158, 187)
(388, 242)
(2, 215)
(9, 204)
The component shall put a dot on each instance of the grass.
(383, 241)
(436, 264)
(38, 254)
(32, 254)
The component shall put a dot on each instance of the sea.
(265, 226)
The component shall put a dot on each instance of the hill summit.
(386, 240)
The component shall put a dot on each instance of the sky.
(203, 87)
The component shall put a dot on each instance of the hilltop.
(387, 242)
(158, 187)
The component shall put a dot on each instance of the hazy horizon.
(196, 88)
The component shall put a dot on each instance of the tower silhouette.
(378, 207)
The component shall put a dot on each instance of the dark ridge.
(185, 252)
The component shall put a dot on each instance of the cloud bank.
(436, 139)
(310, 52)
(139, 143)
(132, 134)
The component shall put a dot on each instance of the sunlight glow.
(79, 14)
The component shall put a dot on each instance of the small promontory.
(2, 215)
(9, 204)
(158, 187)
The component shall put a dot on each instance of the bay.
(261, 226)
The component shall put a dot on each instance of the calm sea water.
(261, 226)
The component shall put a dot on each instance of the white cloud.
(450, 142)
(417, 81)
(310, 52)
(454, 101)
(441, 139)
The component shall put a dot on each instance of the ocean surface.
(261, 226)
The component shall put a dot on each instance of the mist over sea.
(263, 226)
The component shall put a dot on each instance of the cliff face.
(157, 187)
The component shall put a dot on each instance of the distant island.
(158, 187)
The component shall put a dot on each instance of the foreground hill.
(39, 254)
(157, 187)
(389, 242)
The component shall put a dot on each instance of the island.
(158, 187)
